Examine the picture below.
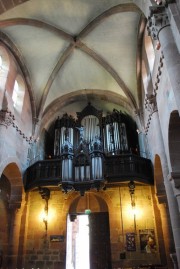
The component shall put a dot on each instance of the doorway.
(88, 241)
(77, 254)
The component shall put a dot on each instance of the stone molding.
(159, 73)
(7, 119)
(151, 107)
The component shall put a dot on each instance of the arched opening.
(18, 94)
(10, 199)
(5, 190)
(166, 243)
(158, 179)
(12, 173)
(149, 51)
(88, 219)
(174, 146)
(4, 69)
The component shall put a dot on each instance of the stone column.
(175, 218)
(172, 202)
(159, 28)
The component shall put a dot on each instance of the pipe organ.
(90, 151)
(82, 143)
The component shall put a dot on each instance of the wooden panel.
(100, 255)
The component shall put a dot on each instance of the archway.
(11, 190)
(166, 243)
(159, 180)
(13, 174)
(174, 146)
(93, 210)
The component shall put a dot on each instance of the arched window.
(4, 64)
(144, 77)
(18, 94)
(149, 52)
(148, 64)
(4, 69)
(15, 93)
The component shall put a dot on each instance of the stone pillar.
(172, 202)
(175, 218)
(14, 229)
(159, 28)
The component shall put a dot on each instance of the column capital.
(6, 118)
(157, 20)
(175, 175)
(151, 104)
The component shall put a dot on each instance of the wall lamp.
(131, 186)
(45, 194)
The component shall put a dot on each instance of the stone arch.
(13, 175)
(101, 197)
(174, 146)
(143, 6)
(85, 95)
(90, 201)
(166, 243)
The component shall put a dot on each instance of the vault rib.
(114, 10)
(110, 70)
(38, 24)
(51, 78)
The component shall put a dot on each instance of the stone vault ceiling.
(76, 51)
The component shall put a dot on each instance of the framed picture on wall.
(130, 242)
(147, 241)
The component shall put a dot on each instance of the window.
(18, 94)
(15, 93)
(149, 52)
(4, 67)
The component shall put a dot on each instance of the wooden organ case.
(92, 151)
(83, 145)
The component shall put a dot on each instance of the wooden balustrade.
(117, 169)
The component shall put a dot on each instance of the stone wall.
(41, 253)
